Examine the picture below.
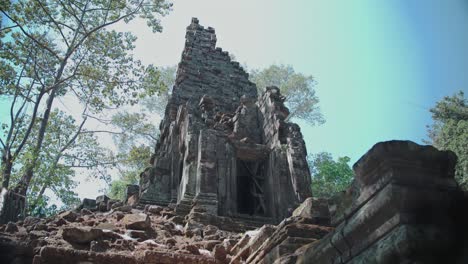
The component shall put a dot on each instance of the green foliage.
(138, 134)
(43, 209)
(157, 103)
(135, 128)
(130, 166)
(53, 49)
(450, 131)
(296, 87)
(329, 177)
(135, 140)
(117, 189)
(60, 155)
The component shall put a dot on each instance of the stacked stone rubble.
(408, 209)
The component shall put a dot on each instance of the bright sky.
(380, 65)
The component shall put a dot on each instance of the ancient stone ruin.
(223, 149)
(229, 183)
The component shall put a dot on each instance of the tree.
(296, 87)
(450, 131)
(130, 168)
(157, 104)
(133, 129)
(136, 134)
(65, 149)
(329, 177)
(57, 48)
(136, 137)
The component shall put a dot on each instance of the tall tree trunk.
(7, 165)
(16, 202)
(23, 184)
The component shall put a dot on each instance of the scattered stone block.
(70, 216)
(85, 211)
(219, 252)
(30, 220)
(102, 199)
(11, 227)
(106, 226)
(131, 190)
(124, 208)
(192, 249)
(154, 209)
(89, 204)
(81, 235)
(133, 200)
(99, 246)
(138, 221)
(138, 234)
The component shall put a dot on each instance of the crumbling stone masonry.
(223, 150)
(406, 208)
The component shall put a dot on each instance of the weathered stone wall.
(405, 212)
(222, 149)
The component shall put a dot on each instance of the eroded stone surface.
(223, 150)
(139, 221)
(81, 235)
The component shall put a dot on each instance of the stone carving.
(223, 149)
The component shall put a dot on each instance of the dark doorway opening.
(250, 195)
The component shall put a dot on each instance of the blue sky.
(380, 65)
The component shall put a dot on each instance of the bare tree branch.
(6, 28)
(101, 131)
(31, 124)
(105, 121)
(3, 144)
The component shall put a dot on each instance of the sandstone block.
(88, 204)
(124, 208)
(139, 221)
(85, 211)
(11, 228)
(30, 220)
(70, 216)
(219, 252)
(102, 199)
(81, 235)
(314, 208)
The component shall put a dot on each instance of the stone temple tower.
(224, 151)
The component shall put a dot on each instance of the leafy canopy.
(66, 48)
(135, 142)
(450, 131)
(329, 177)
(296, 87)
(138, 133)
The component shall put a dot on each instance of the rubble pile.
(403, 204)
(147, 234)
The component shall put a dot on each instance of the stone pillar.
(403, 213)
(206, 198)
(155, 183)
(298, 166)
